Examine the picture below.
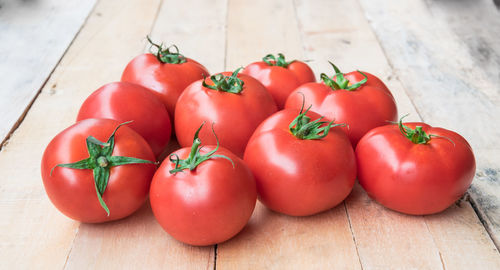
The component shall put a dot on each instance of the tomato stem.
(221, 82)
(100, 160)
(164, 55)
(302, 127)
(195, 158)
(338, 81)
(418, 135)
(276, 61)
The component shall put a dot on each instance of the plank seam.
(21, 118)
(215, 256)
(301, 32)
(482, 217)
(71, 247)
(434, 242)
(353, 235)
(225, 34)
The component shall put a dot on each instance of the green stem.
(100, 160)
(230, 84)
(164, 55)
(338, 81)
(418, 135)
(195, 158)
(276, 61)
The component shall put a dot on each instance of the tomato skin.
(417, 179)
(165, 79)
(235, 116)
(72, 191)
(205, 206)
(369, 106)
(300, 177)
(123, 102)
(280, 81)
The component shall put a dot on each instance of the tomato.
(359, 99)
(167, 73)
(203, 196)
(301, 168)
(92, 181)
(408, 170)
(279, 76)
(123, 101)
(235, 103)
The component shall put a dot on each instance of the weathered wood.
(34, 35)
(382, 234)
(277, 241)
(271, 240)
(449, 80)
(128, 241)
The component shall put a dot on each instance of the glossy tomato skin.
(72, 191)
(235, 116)
(165, 79)
(124, 102)
(280, 81)
(363, 109)
(205, 206)
(415, 179)
(300, 177)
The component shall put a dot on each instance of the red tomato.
(207, 204)
(73, 190)
(348, 98)
(166, 72)
(131, 102)
(300, 177)
(236, 108)
(419, 178)
(280, 77)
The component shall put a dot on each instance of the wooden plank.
(272, 240)
(449, 80)
(257, 29)
(193, 23)
(381, 234)
(277, 241)
(34, 35)
(34, 234)
(143, 233)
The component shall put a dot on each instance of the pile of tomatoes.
(268, 131)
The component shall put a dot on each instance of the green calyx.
(100, 160)
(195, 158)
(304, 129)
(340, 82)
(276, 61)
(230, 84)
(165, 55)
(417, 135)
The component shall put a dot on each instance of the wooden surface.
(441, 59)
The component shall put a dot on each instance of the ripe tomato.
(166, 72)
(279, 76)
(92, 181)
(123, 101)
(359, 99)
(236, 104)
(204, 199)
(408, 170)
(300, 168)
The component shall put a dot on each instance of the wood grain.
(34, 35)
(382, 234)
(448, 87)
(271, 240)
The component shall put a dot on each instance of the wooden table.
(441, 59)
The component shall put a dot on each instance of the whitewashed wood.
(129, 241)
(381, 235)
(198, 28)
(277, 241)
(449, 81)
(274, 241)
(33, 37)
